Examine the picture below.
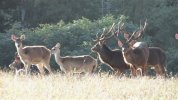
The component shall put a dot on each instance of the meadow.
(92, 87)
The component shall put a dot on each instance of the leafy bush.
(76, 39)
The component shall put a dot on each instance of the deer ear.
(22, 37)
(120, 43)
(137, 34)
(126, 36)
(58, 45)
(13, 37)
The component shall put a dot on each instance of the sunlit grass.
(86, 87)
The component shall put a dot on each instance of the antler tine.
(111, 28)
(115, 34)
(140, 24)
(145, 25)
(142, 29)
(97, 38)
(132, 36)
(120, 27)
(104, 35)
(139, 32)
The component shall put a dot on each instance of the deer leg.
(41, 69)
(140, 71)
(157, 70)
(16, 72)
(144, 70)
(133, 71)
(48, 67)
(118, 73)
(20, 71)
(27, 68)
(162, 70)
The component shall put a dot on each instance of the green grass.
(86, 87)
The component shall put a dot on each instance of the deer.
(157, 56)
(17, 66)
(74, 64)
(135, 53)
(113, 58)
(32, 55)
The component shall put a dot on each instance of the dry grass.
(86, 87)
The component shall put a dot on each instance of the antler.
(97, 38)
(120, 28)
(104, 35)
(137, 34)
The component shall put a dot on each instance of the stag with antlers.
(156, 58)
(135, 53)
(113, 58)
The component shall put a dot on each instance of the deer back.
(137, 55)
(35, 54)
(157, 56)
(84, 63)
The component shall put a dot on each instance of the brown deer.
(17, 66)
(74, 64)
(113, 58)
(32, 55)
(135, 53)
(157, 58)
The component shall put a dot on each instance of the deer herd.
(133, 55)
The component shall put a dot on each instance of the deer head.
(129, 40)
(56, 48)
(18, 40)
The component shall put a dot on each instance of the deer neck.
(20, 51)
(129, 56)
(105, 54)
(58, 57)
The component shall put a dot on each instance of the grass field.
(86, 87)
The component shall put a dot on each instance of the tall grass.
(86, 87)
